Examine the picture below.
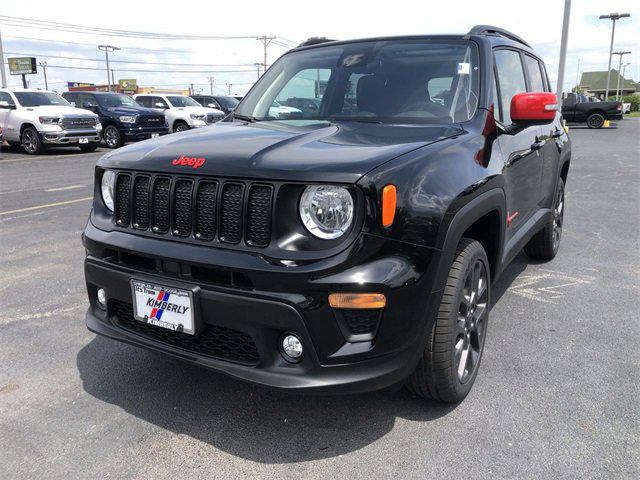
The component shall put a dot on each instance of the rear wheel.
(450, 362)
(31, 141)
(544, 245)
(113, 137)
(180, 127)
(595, 120)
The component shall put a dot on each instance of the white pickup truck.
(38, 119)
(182, 112)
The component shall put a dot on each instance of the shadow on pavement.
(247, 421)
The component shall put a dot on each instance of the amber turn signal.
(357, 300)
(388, 205)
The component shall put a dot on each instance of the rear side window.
(534, 73)
(510, 79)
(144, 101)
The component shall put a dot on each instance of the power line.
(138, 62)
(150, 71)
(83, 29)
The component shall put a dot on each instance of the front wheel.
(113, 137)
(180, 127)
(31, 141)
(595, 120)
(450, 362)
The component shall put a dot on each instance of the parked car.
(122, 119)
(220, 102)
(277, 110)
(38, 119)
(626, 108)
(345, 253)
(308, 106)
(181, 112)
(577, 108)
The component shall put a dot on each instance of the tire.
(449, 365)
(112, 137)
(595, 120)
(31, 141)
(544, 245)
(180, 126)
(89, 148)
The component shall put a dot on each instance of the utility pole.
(620, 54)
(563, 50)
(44, 70)
(265, 41)
(229, 85)
(106, 49)
(191, 89)
(113, 80)
(2, 72)
(211, 84)
(578, 76)
(257, 65)
(613, 17)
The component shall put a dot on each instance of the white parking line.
(48, 205)
(60, 189)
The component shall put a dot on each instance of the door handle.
(538, 144)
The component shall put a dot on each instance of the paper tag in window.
(464, 68)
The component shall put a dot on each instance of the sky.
(538, 22)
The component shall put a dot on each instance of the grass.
(633, 114)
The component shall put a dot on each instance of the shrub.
(634, 100)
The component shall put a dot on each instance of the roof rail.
(315, 41)
(490, 30)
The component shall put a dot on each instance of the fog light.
(102, 298)
(292, 347)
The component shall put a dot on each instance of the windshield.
(116, 100)
(183, 101)
(393, 81)
(37, 99)
(228, 102)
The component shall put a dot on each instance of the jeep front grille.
(202, 209)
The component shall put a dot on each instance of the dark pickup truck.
(121, 117)
(577, 108)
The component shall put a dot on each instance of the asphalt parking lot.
(557, 395)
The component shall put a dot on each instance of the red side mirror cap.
(534, 107)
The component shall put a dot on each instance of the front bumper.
(267, 303)
(69, 137)
(143, 133)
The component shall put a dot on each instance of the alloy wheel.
(29, 141)
(595, 121)
(558, 216)
(471, 324)
(111, 137)
(182, 128)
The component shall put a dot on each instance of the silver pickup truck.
(38, 119)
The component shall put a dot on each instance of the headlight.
(128, 118)
(198, 116)
(49, 120)
(107, 185)
(326, 211)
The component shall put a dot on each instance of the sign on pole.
(22, 65)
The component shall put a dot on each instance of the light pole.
(613, 17)
(258, 65)
(3, 76)
(620, 54)
(229, 85)
(563, 49)
(44, 70)
(106, 49)
(578, 76)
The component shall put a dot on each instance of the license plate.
(83, 140)
(155, 135)
(165, 307)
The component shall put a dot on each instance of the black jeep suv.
(121, 117)
(349, 249)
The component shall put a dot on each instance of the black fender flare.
(466, 216)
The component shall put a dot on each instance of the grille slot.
(231, 213)
(182, 208)
(361, 321)
(212, 340)
(123, 200)
(205, 228)
(160, 217)
(141, 202)
(259, 216)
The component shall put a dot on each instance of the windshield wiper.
(355, 119)
(245, 118)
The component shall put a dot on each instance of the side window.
(85, 99)
(70, 97)
(5, 97)
(497, 111)
(510, 79)
(144, 101)
(534, 73)
(155, 100)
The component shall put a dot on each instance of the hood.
(58, 110)
(333, 153)
(125, 110)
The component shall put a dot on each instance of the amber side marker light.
(388, 205)
(357, 300)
